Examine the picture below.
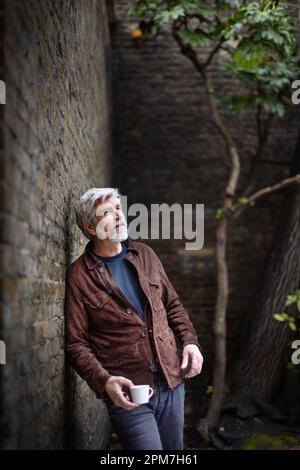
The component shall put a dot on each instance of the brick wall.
(167, 150)
(57, 144)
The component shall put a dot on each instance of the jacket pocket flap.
(120, 351)
(167, 337)
(154, 280)
(97, 300)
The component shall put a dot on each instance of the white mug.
(140, 394)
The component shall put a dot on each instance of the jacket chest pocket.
(156, 292)
(97, 301)
(102, 310)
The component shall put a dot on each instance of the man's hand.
(113, 388)
(191, 352)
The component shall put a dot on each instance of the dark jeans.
(157, 425)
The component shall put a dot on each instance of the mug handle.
(150, 392)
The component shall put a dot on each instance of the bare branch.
(212, 54)
(240, 207)
(187, 49)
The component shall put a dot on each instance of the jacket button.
(128, 310)
(109, 290)
(98, 304)
(152, 366)
(143, 334)
(101, 270)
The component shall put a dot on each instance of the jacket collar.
(92, 261)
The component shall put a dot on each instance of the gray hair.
(85, 209)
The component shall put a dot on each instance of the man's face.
(111, 223)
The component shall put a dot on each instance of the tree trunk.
(258, 362)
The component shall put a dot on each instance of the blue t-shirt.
(126, 277)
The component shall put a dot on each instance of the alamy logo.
(160, 221)
(2, 92)
(296, 93)
(296, 354)
(2, 352)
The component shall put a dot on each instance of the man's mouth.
(120, 225)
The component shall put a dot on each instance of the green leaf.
(176, 12)
(292, 325)
(196, 38)
(162, 18)
(290, 300)
(290, 366)
(288, 318)
(271, 105)
(219, 213)
(243, 200)
(249, 58)
(259, 48)
(205, 13)
(238, 104)
(209, 389)
(281, 316)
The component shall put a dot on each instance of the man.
(123, 322)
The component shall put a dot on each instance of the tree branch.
(186, 49)
(219, 327)
(240, 207)
(212, 53)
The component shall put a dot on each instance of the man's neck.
(106, 248)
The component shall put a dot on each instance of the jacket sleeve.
(178, 317)
(78, 348)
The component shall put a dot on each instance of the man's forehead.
(112, 201)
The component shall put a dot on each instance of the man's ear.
(90, 229)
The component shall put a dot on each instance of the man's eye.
(106, 212)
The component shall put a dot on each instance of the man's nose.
(117, 216)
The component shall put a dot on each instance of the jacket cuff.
(100, 390)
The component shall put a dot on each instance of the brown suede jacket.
(106, 336)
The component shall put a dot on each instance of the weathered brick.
(57, 145)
